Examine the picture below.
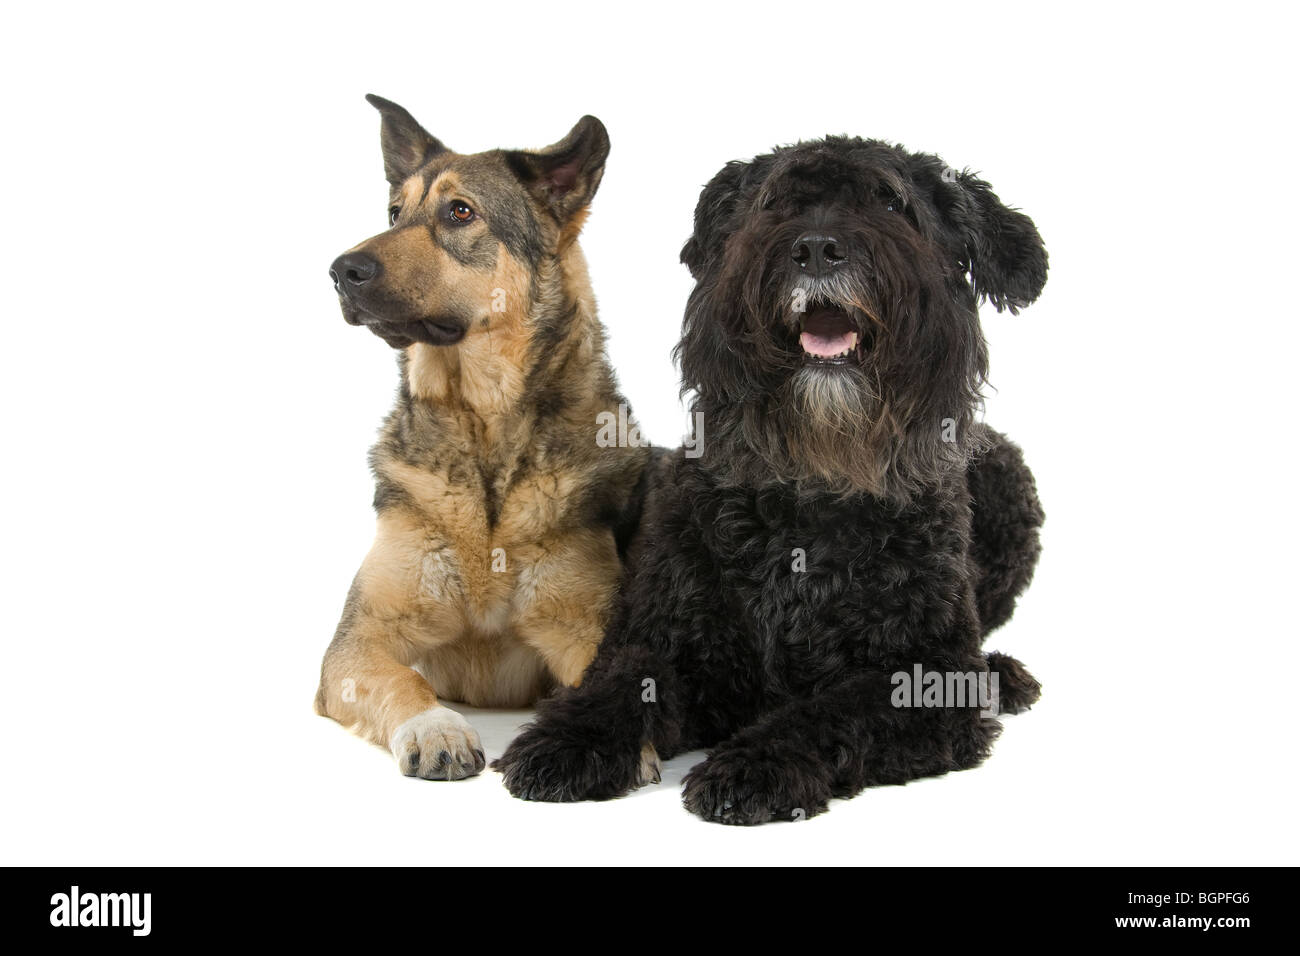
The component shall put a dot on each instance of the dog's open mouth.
(829, 336)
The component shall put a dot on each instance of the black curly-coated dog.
(848, 524)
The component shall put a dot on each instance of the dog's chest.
(798, 587)
(479, 531)
(822, 590)
(526, 507)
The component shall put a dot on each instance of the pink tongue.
(827, 346)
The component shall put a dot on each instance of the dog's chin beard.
(836, 426)
(841, 403)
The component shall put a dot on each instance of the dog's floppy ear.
(405, 143)
(1000, 247)
(565, 175)
(717, 200)
(1008, 261)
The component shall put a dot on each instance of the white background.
(186, 415)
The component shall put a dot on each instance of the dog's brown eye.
(894, 205)
(461, 212)
(393, 213)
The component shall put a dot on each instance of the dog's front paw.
(742, 788)
(438, 744)
(556, 768)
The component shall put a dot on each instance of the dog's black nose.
(817, 254)
(352, 270)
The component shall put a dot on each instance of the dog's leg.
(1005, 521)
(373, 693)
(599, 740)
(1005, 518)
(564, 597)
(365, 687)
(368, 685)
(634, 704)
(792, 761)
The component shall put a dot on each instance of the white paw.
(438, 744)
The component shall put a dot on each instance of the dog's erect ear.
(565, 175)
(405, 143)
(717, 200)
(1000, 247)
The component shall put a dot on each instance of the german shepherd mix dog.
(501, 521)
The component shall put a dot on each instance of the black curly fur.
(915, 542)
(1005, 517)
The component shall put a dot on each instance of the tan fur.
(485, 372)
(411, 190)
